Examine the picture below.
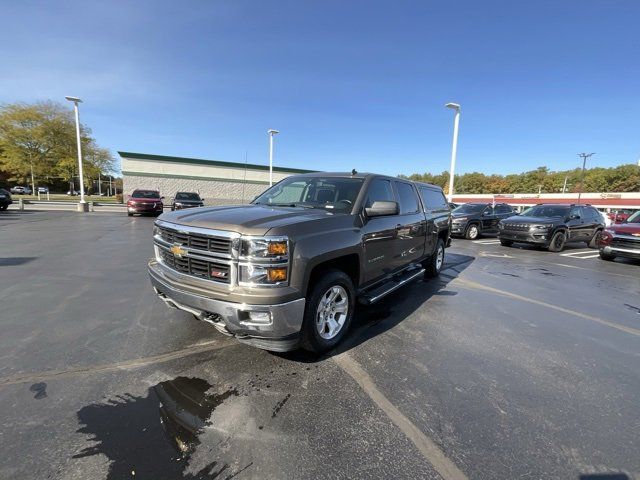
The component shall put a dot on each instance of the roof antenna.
(354, 172)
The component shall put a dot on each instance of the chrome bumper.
(284, 320)
(621, 251)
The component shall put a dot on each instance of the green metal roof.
(217, 163)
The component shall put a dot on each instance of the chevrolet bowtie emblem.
(177, 250)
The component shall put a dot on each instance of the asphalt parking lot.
(515, 363)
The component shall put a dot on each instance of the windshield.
(337, 194)
(549, 211)
(635, 218)
(469, 208)
(145, 194)
(187, 196)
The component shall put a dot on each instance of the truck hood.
(244, 219)
(625, 228)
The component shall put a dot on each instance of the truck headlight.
(540, 228)
(265, 247)
(156, 230)
(263, 275)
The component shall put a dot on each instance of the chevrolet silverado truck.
(287, 270)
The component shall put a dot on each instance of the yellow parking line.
(125, 365)
(479, 286)
(436, 457)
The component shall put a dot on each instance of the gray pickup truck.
(287, 270)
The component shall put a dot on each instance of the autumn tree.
(42, 137)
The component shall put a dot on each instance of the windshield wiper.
(292, 205)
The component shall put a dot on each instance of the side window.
(595, 215)
(433, 199)
(407, 197)
(576, 211)
(379, 191)
(488, 210)
(504, 209)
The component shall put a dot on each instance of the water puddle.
(154, 436)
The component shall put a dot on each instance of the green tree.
(42, 136)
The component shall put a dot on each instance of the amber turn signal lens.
(277, 274)
(277, 248)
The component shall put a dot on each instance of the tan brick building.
(216, 181)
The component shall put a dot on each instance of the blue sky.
(350, 84)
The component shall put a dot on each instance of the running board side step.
(389, 286)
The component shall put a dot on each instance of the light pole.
(454, 147)
(584, 157)
(76, 101)
(271, 133)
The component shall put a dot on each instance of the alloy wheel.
(332, 312)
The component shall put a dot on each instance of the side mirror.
(574, 217)
(382, 208)
(161, 198)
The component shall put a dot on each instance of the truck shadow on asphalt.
(373, 320)
(15, 261)
(126, 430)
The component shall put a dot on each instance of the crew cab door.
(379, 234)
(411, 227)
(437, 215)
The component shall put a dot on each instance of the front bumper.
(142, 208)
(534, 238)
(458, 229)
(628, 252)
(280, 332)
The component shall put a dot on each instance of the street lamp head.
(454, 106)
(273, 132)
(73, 99)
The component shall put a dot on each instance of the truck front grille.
(194, 240)
(209, 270)
(517, 227)
(625, 243)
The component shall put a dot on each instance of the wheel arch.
(348, 263)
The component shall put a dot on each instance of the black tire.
(506, 243)
(433, 265)
(607, 256)
(3, 207)
(311, 337)
(130, 214)
(558, 241)
(472, 232)
(593, 243)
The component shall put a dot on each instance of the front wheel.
(607, 256)
(473, 232)
(506, 243)
(593, 243)
(433, 265)
(328, 311)
(557, 242)
(130, 214)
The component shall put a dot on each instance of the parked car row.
(20, 190)
(552, 226)
(151, 202)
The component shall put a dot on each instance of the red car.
(621, 240)
(145, 201)
(620, 216)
